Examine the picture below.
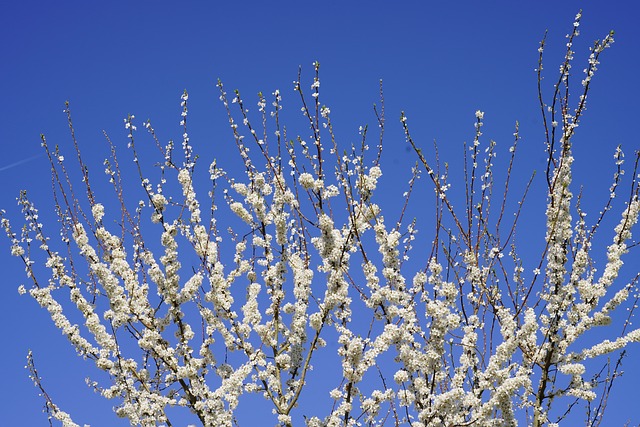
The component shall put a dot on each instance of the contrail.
(19, 162)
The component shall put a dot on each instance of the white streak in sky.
(19, 162)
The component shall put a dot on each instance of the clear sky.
(440, 62)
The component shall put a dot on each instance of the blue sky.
(439, 61)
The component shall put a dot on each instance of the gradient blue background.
(440, 61)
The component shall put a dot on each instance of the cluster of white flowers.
(307, 181)
(98, 212)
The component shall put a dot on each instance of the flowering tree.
(191, 305)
